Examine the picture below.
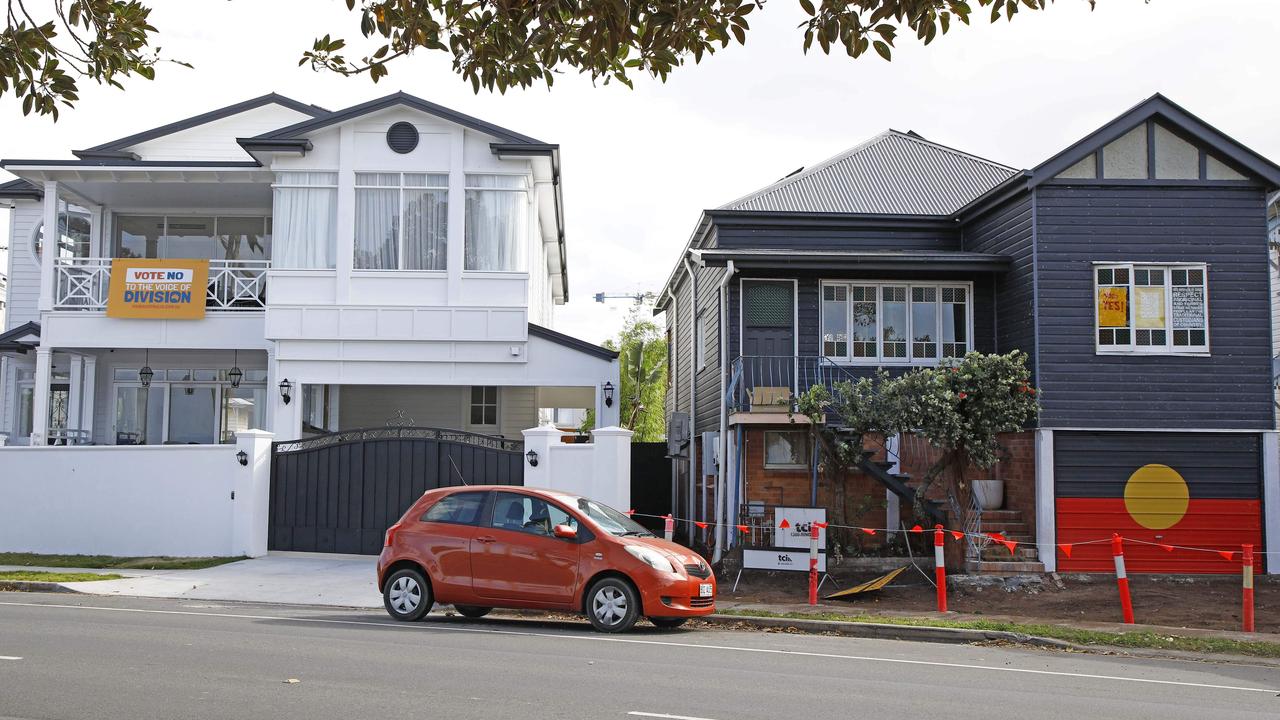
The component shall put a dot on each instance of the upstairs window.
(402, 221)
(497, 210)
(306, 220)
(895, 323)
(75, 233)
(1155, 309)
(198, 237)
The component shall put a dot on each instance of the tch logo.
(784, 558)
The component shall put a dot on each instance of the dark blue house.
(1132, 268)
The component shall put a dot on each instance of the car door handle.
(486, 539)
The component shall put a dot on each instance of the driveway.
(295, 578)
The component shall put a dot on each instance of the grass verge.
(1134, 639)
(112, 562)
(54, 577)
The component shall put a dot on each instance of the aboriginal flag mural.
(1173, 489)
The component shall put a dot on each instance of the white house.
(394, 260)
(388, 264)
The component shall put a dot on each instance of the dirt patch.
(1197, 601)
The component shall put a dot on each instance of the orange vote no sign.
(152, 288)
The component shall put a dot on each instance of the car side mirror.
(565, 532)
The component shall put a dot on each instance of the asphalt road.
(69, 656)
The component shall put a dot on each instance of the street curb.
(35, 586)
(885, 631)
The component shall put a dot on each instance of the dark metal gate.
(341, 491)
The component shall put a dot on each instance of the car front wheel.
(407, 595)
(612, 605)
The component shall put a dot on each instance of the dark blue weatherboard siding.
(1224, 226)
(833, 236)
(1007, 230)
(1098, 464)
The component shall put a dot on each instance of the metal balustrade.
(235, 285)
(760, 383)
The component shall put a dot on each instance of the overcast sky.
(640, 164)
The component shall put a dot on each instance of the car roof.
(524, 489)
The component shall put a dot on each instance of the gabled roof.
(20, 190)
(300, 130)
(1159, 106)
(894, 173)
(572, 342)
(116, 148)
(20, 339)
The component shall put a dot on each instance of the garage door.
(340, 492)
(1177, 490)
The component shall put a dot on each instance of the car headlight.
(652, 558)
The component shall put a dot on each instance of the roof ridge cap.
(806, 172)
(948, 149)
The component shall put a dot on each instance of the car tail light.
(391, 535)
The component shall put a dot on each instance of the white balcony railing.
(83, 284)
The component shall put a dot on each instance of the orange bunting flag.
(1065, 548)
(631, 512)
(822, 525)
(1226, 554)
(957, 534)
(701, 525)
(744, 528)
(997, 536)
(916, 529)
(869, 531)
(1011, 544)
(1166, 548)
(784, 524)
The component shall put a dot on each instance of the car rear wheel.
(407, 595)
(668, 622)
(472, 611)
(612, 605)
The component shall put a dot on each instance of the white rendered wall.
(600, 470)
(137, 500)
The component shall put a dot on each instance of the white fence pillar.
(40, 397)
(252, 489)
(613, 467)
(540, 440)
(1271, 498)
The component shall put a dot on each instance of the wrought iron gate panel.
(340, 492)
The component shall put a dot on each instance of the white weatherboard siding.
(217, 140)
(24, 270)
(365, 406)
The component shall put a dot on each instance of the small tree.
(642, 356)
(960, 408)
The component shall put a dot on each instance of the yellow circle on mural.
(1156, 496)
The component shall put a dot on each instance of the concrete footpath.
(289, 578)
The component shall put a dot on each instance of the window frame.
(909, 285)
(1132, 348)
(278, 184)
(524, 529)
(496, 405)
(116, 216)
(528, 191)
(805, 448)
(400, 240)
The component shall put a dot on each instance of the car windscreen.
(610, 520)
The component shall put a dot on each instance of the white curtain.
(377, 227)
(426, 229)
(305, 220)
(496, 222)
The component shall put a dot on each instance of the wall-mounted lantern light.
(146, 373)
(243, 457)
(532, 457)
(285, 387)
(235, 374)
(608, 394)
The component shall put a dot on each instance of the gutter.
(552, 151)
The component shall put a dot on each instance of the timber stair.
(995, 558)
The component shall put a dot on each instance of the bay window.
(497, 214)
(306, 220)
(1151, 308)
(401, 221)
(895, 322)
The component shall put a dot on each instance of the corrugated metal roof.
(893, 173)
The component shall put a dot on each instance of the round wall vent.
(402, 137)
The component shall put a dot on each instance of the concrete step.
(999, 553)
(1004, 568)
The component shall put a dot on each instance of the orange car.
(481, 547)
